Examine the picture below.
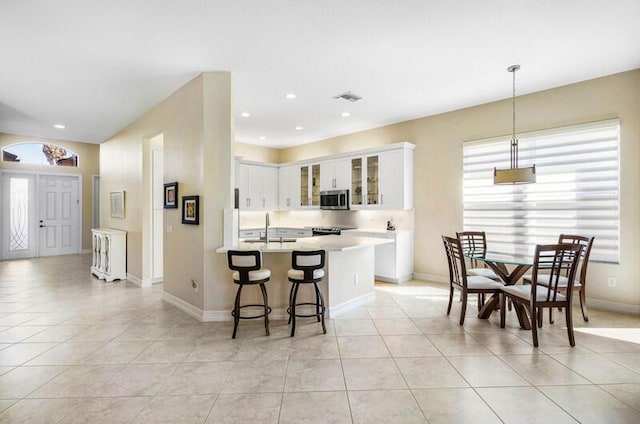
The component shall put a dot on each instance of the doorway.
(42, 215)
(157, 208)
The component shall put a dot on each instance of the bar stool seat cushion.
(480, 283)
(257, 275)
(483, 272)
(298, 274)
(542, 293)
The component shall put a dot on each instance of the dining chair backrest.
(473, 243)
(587, 244)
(455, 258)
(550, 263)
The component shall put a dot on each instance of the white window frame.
(577, 189)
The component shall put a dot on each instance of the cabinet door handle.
(381, 199)
(263, 202)
(248, 202)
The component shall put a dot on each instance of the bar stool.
(247, 270)
(307, 268)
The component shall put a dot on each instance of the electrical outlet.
(194, 284)
(169, 229)
(355, 280)
(611, 281)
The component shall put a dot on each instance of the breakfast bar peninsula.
(349, 270)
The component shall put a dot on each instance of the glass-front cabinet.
(310, 185)
(365, 187)
(373, 177)
(357, 188)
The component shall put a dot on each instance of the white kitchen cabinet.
(383, 180)
(396, 179)
(109, 254)
(335, 174)
(258, 186)
(294, 232)
(288, 187)
(394, 261)
(309, 183)
(276, 232)
(380, 178)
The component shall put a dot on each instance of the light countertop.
(372, 232)
(329, 243)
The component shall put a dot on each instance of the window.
(577, 189)
(36, 153)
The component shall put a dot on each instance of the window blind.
(577, 189)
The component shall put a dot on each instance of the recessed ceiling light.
(290, 96)
(245, 114)
(59, 126)
(299, 128)
(263, 137)
(345, 114)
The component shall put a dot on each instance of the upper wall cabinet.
(335, 174)
(376, 178)
(258, 186)
(309, 179)
(289, 187)
(383, 180)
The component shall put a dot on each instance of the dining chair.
(551, 263)
(459, 278)
(475, 243)
(580, 282)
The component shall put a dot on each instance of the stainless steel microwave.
(334, 199)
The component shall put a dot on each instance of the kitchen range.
(325, 231)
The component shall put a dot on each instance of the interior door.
(59, 215)
(19, 236)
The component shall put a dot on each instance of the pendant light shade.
(514, 175)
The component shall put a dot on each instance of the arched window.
(37, 153)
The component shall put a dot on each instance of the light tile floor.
(74, 349)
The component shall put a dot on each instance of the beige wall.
(88, 165)
(256, 153)
(438, 165)
(197, 130)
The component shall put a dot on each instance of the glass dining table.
(510, 268)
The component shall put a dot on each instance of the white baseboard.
(135, 280)
(84, 251)
(185, 307)
(605, 305)
(147, 282)
(430, 277)
(400, 280)
(349, 305)
(212, 316)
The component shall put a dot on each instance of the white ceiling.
(96, 66)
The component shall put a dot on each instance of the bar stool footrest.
(233, 313)
(322, 310)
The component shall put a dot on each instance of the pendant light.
(514, 175)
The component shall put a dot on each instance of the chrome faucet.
(266, 228)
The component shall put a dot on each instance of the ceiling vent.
(348, 96)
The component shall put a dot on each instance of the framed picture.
(171, 195)
(191, 210)
(117, 204)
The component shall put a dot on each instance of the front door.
(19, 235)
(59, 214)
